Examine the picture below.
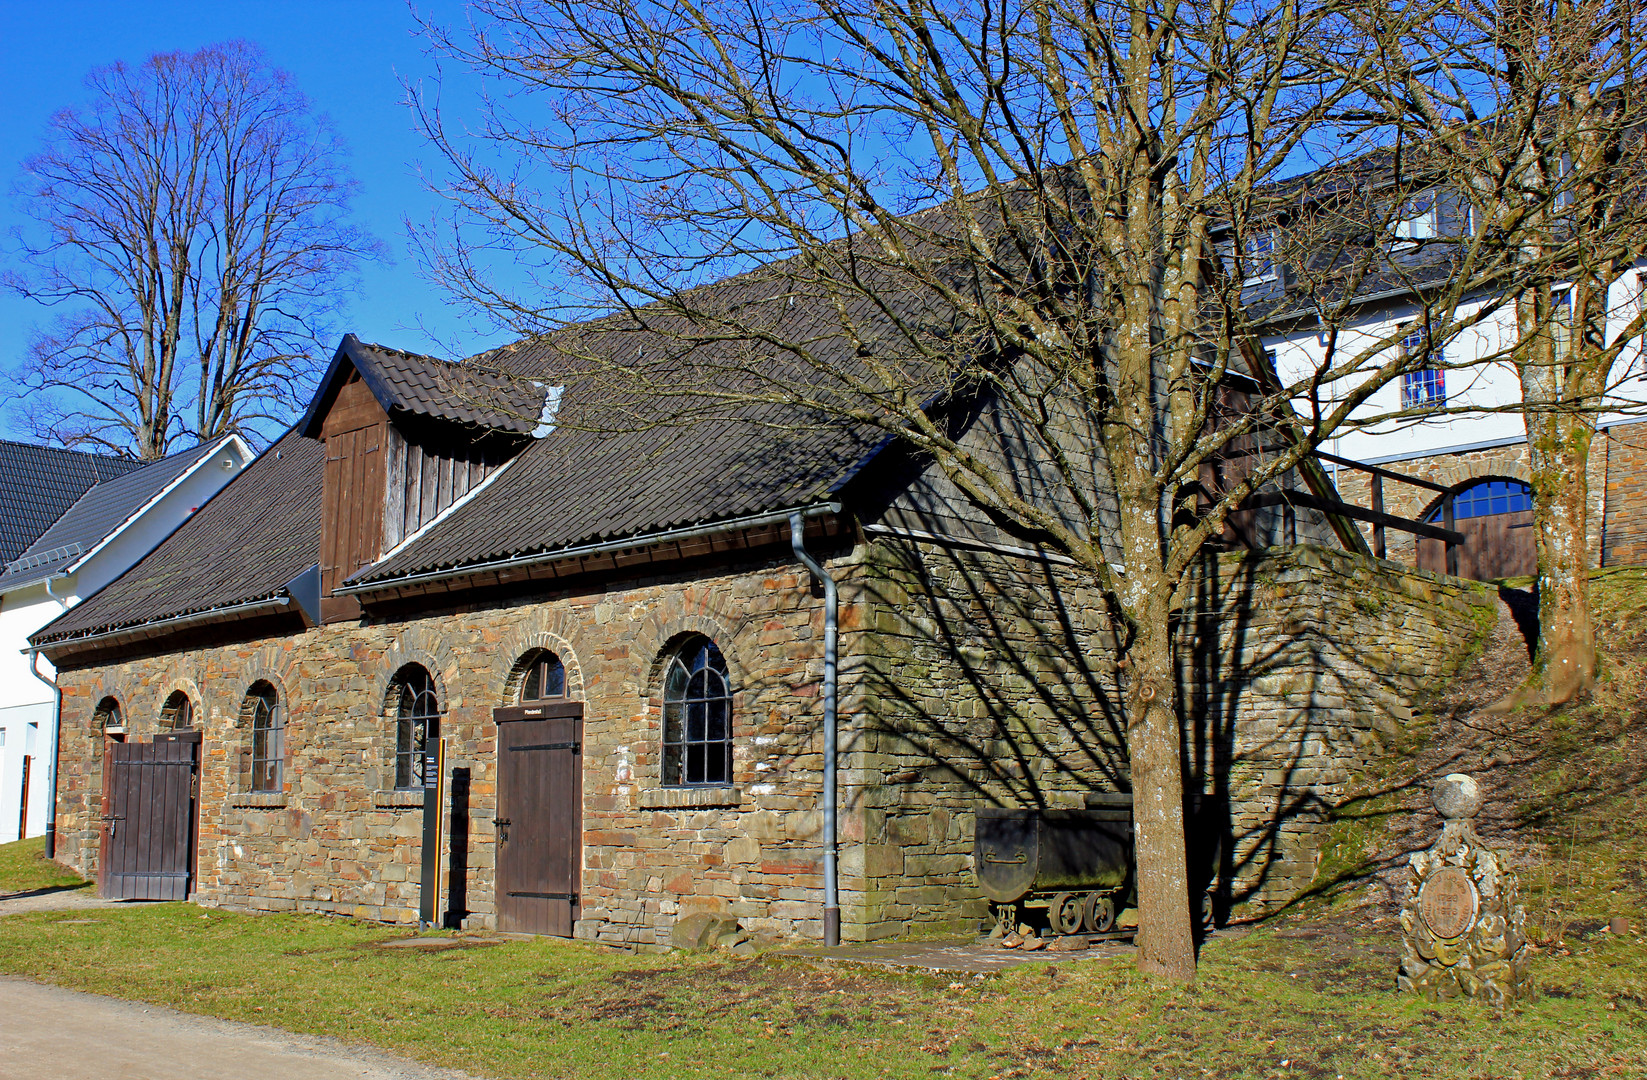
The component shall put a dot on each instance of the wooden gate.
(149, 819)
(540, 817)
(1495, 546)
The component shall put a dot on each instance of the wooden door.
(149, 823)
(1495, 546)
(539, 817)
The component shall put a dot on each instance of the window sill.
(258, 799)
(398, 800)
(665, 798)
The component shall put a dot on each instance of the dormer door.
(351, 526)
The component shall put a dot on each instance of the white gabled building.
(108, 528)
(1477, 448)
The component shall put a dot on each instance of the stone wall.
(1623, 451)
(966, 678)
(1454, 470)
(990, 680)
(339, 839)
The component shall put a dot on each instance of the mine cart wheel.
(1065, 913)
(1100, 913)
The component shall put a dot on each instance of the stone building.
(615, 637)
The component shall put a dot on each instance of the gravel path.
(65, 1035)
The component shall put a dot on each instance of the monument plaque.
(1448, 901)
(1461, 922)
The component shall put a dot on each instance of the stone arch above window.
(514, 653)
(178, 713)
(414, 707)
(697, 715)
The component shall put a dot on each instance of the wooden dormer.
(406, 437)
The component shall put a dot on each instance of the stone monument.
(1461, 920)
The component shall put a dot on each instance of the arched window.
(417, 721)
(107, 716)
(545, 677)
(697, 716)
(178, 712)
(268, 737)
(1488, 497)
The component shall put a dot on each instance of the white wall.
(25, 731)
(24, 699)
(1489, 387)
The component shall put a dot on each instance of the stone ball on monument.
(1457, 797)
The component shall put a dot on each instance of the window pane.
(672, 732)
(696, 713)
(715, 755)
(694, 763)
(674, 687)
(554, 678)
(717, 720)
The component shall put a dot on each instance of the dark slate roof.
(39, 483)
(96, 515)
(252, 538)
(670, 456)
(404, 382)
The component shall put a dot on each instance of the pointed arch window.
(417, 722)
(697, 716)
(268, 724)
(106, 717)
(545, 678)
(178, 713)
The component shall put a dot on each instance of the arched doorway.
(1495, 516)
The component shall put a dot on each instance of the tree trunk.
(1166, 941)
(1565, 661)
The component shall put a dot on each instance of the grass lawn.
(1309, 996)
(25, 868)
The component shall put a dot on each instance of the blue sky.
(348, 56)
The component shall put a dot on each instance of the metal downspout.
(832, 900)
(56, 735)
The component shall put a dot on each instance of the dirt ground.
(49, 1032)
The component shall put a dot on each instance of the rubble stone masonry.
(967, 677)
(1302, 661)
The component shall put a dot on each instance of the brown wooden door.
(539, 817)
(148, 826)
(1495, 546)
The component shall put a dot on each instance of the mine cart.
(1077, 864)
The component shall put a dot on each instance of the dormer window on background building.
(1418, 222)
(1258, 259)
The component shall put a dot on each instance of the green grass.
(1317, 995)
(25, 868)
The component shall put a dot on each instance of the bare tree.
(1533, 110)
(1066, 209)
(191, 226)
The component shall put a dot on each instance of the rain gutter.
(832, 901)
(541, 558)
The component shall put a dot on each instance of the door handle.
(502, 825)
